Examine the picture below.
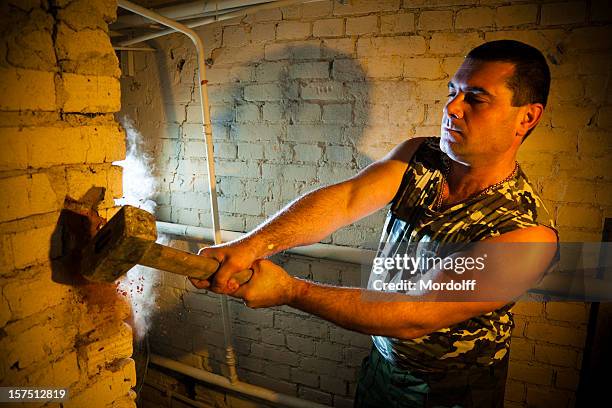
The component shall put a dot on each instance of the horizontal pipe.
(238, 386)
(325, 251)
(221, 17)
(134, 49)
(185, 11)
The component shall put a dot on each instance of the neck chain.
(438, 203)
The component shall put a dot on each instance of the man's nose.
(453, 107)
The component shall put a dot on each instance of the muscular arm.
(317, 214)
(394, 314)
(400, 318)
(313, 216)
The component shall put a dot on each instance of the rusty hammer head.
(118, 245)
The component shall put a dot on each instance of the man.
(463, 187)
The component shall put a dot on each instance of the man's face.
(479, 122)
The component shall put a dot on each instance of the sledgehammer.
(128, 239)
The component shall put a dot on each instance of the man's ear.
(530, 116)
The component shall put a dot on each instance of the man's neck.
(466, 180)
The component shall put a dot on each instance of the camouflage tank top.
(481, 340)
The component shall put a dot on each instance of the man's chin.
(452, 146)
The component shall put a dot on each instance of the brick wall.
(59, 88)
(305, 96)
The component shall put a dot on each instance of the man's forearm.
(367, 312)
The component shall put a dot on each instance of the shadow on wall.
(281, 127)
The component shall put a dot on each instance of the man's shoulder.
(529, 209)
(421, 152)
(406, 150)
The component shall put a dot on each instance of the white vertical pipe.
(212, 186)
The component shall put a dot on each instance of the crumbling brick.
(105, 347)
(24, 89)
(88, 94)
(86, 52)
(26, 195)
(107, 387)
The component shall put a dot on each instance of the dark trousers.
(381, 384)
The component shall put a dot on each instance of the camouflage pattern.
(382, 384)
(482, 340)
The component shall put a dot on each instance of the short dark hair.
(530, 82)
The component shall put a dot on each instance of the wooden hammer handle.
(185, 263)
